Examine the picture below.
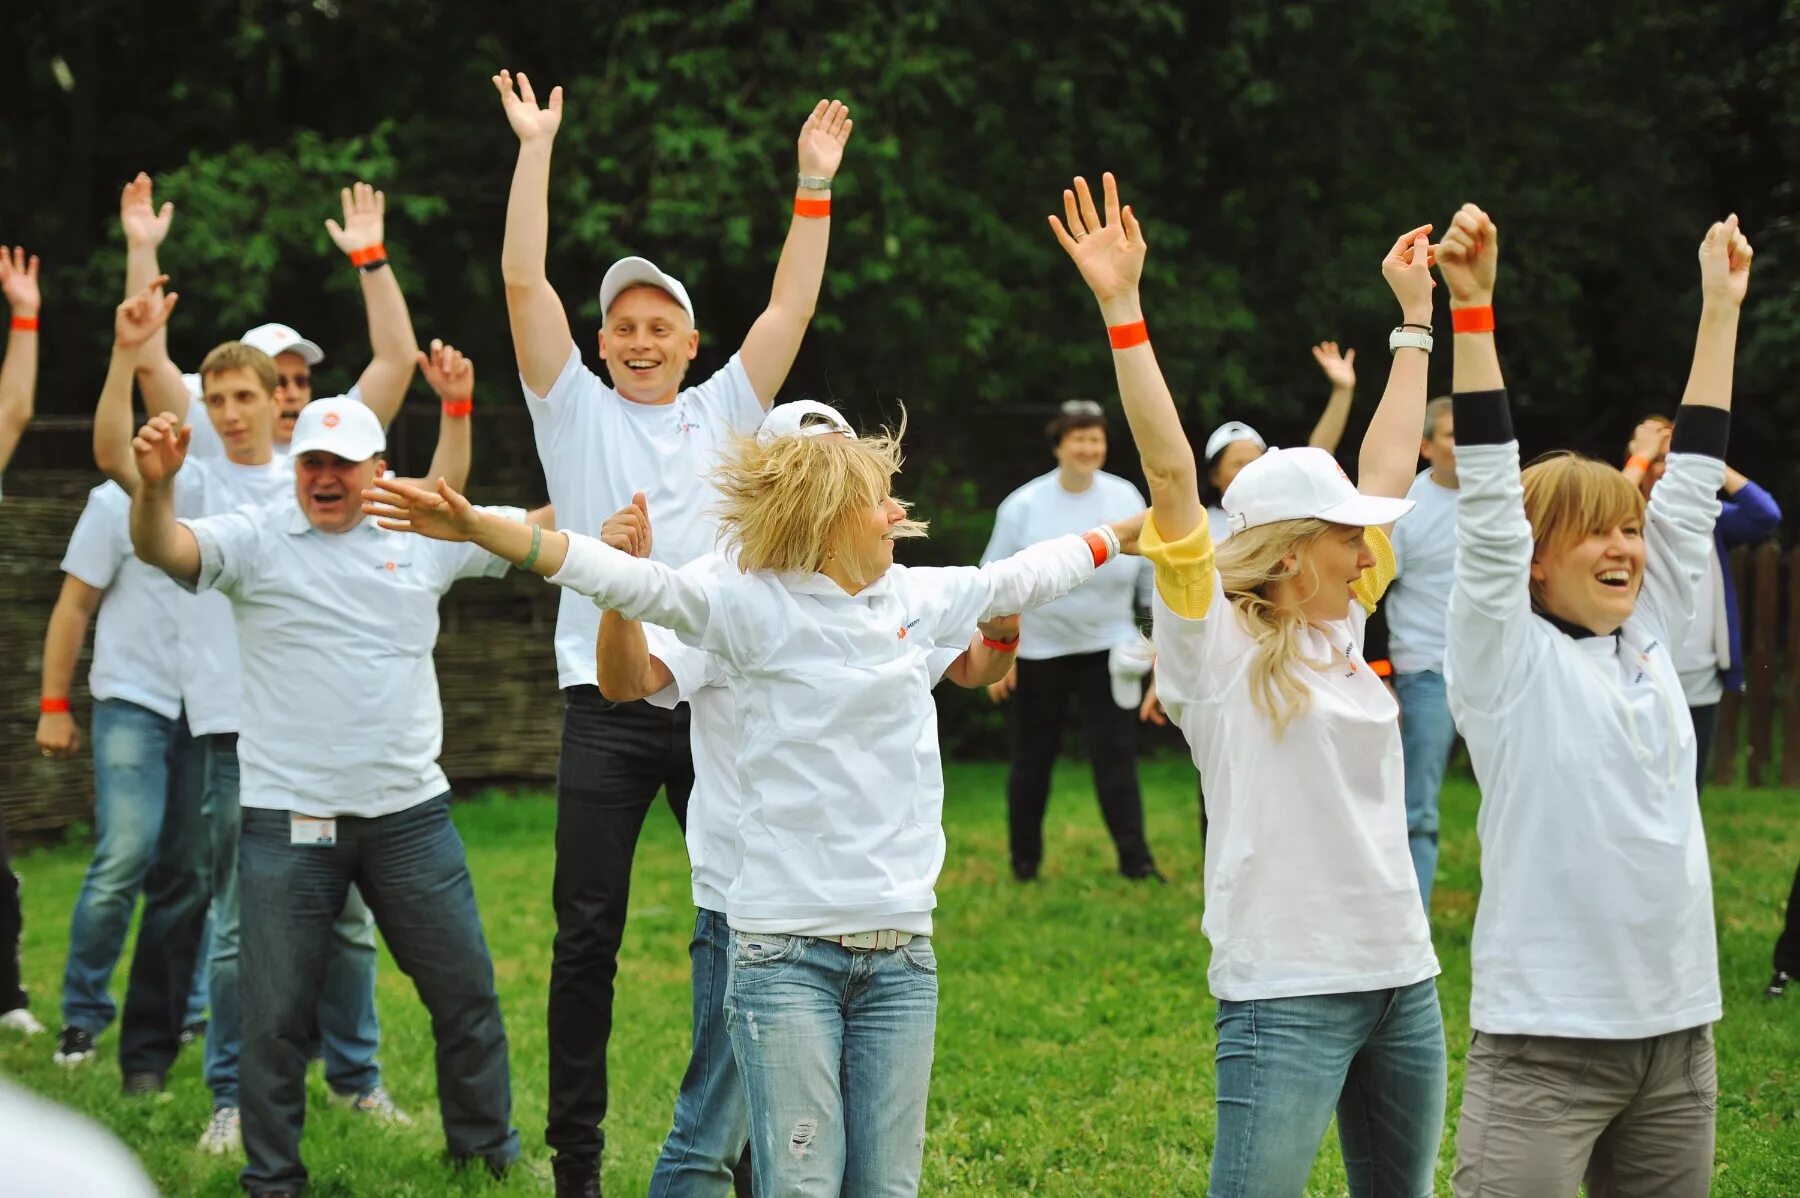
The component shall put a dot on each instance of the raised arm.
(391, 339)
(625, 667)
(774, 339)
(57, 735)
(452, 376)
(134, 322)
(156, 536)
(18, 373)
(1340, 372)
(1390, 448)
(1048, 570)
(540, 326)
(145, 226)
(1110, 256)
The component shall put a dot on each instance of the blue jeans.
(346, 1023)
(712, 1122)
(834, 1046)
(411, 867)
(1285, 1064)
(1426, 736)
(149, 838)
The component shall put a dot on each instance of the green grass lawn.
(1075, 1039)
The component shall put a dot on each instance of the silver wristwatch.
(1404, 338)
(814, 182)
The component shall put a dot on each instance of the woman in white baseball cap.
(1321, 956)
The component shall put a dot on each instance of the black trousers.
(1040, 705)
(615, 757)
(1706, 728)
(12, 990)
(1787, 946)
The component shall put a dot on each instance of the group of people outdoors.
(734, 632)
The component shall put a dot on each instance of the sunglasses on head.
(1082, 407)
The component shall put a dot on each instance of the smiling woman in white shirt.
(826, 645)
(1595, 968)
(1321, 958)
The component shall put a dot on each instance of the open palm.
(143, 223)
(528, 121)
(19, 280)
(823, 136)
(441, 514)
(1109, 253)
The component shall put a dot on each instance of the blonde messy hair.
(235, 355)
(1250, 564)
(791, 502)
(1568, 497)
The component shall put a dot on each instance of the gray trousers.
(1634, 1118)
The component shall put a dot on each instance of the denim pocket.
(1703, 1068)
(918, 956)
(762, 956)
(1528, 1079)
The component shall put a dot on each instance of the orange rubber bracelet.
(812, 207)
(1638, 460)
(1472, 320)
(24, 324)
(1000, 646)
(373, 253)
(1098, 544)
(458, 408)
(53, 706)
(1124, 336)
(1383, 667)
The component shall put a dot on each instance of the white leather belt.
(885, 940)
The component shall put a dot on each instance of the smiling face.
(1233, 458)
(1082, 451)
(242, 412)
(294, 392)
(647, 343)
(865, 545)
(1328, 567)
(1593, 582)
(329, 489)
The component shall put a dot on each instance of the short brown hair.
(235, 355)
(1072, 415)
(1569, 496)
(1434, 411)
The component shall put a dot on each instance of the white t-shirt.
(1698, 655)
(1425, 563)
(1098, 614)
(838, 765)
(341, 713)
(1596, 915)
(1309, 883)
(51, 1152)
(598, 448)
(137, 639)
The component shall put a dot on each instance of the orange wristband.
(373, 253)
(812, 207)
(1000, 646)
(24, 324)
(458, 408)
(1472, 320)
(50, 706)
(1098, 544)
(1383, 667)
(1638, 460)
(1124, 336)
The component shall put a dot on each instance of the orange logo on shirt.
(330, 420)
(388, 566)
(902, 634)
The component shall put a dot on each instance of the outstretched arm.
(384, 381)
(1110, 256)
(774, 340)
(145, 226)
(1390, 448)
(18, 374)
(156, 536)
(1340, 372)
(990, 657)
(134, 322)
(1724, 277)
(540, 326)
(452, 376)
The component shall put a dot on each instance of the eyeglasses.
(1082, 407)
(297, 382)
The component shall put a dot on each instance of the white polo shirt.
(598, 448)
(838, 765)
(341, 714)
(137, 643)
(1098, 614)
(1424, 563)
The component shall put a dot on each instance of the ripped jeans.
(834, 1046)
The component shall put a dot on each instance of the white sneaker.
(222, 1135)
(21, 1021)
(378, 1104)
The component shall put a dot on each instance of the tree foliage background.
(1273, 150)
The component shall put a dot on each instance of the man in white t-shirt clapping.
(599, 444)
(1424, 561)
(340, 737)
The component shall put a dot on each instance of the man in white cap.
(599, 444)
(340, 736)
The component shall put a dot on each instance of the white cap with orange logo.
(340, 425)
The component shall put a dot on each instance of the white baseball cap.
(641, 272)
(1232, 430)
(790, 420)
(275, 339)
(1302, 484)
(339, 425)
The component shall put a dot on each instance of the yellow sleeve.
(1184, 569)
(1374, 581)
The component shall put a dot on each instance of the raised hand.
(628, 529)
(138, 318)
(450, 374)
(528, 121)
(1725, 255)
(365, 210)
(1109, 253)
(144, 224)
(160, 448)
(1407, 269)
(442, 514)
(1340, 369)
(1128, 531)
(1650, 440)
(19, 280)
(822, 138)
(1468, 257)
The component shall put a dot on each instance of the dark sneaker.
(143, 1084)
(1025, 875)
(194, 1032)
(1147, 873)
(73, 1047)
(576, 1176)
(1778, 984)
